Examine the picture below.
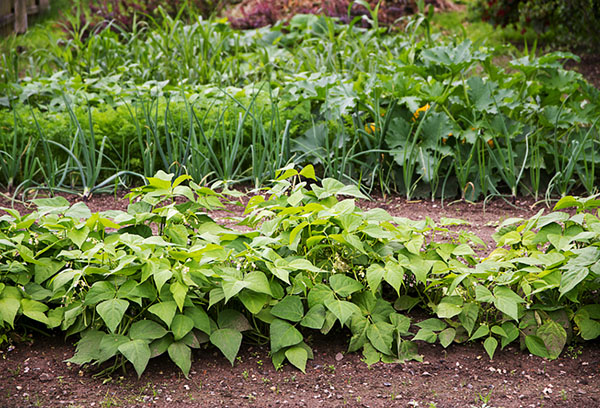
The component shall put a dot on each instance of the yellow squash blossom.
(421, 109)
(370, 128)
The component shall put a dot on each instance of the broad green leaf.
(358, 326)
(490, 344)
(571, 278)
(374, 276)
(536, 346)
(112, 312)
(109, 346)
(283, 335)
(401, 324)
(232, 319)
(342, 309)
(449, 307)
(46, 268)
(289, 308)
(258, 282)
(318, 294)
(554, 337)
(381, 335)
(447, 336)
(512, 333)
(100, 291)
(181, 326)
(432, 324)
(507, 301)
(589, 329)
(146, 330)
(232, 286)
(138, 353)
(298, 356)
(315, 317)
(482, 330)
(87, 347)
(371, 356)
(344, 285)
(482, 294)
(34, 310)
(406, 302)
(407, 350)
(253, 301)
(165, 311)
(159, 346)
(179, 291)
(394, 275)
(468, 316)
(200, 318)
(309, 172)
(228, 341)
(425, 335)
(181, 355)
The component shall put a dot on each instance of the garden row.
(404, 112)
(164, 277)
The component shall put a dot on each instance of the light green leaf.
(468, 316)
(381, 335)
(342, 309)
(315, 317)
(181, 326)
(344, 285)
(232, 319)
(138, 353)
(482, 294)
(283, 335)
(490, 344)
(298, 356)
(554, 337)
(289, 308)
(447, 336)
(146, 330)
(228, 341)
(181, 355)
(571, 278)
(112, 312)
(200, 318)
(432, 324)
(258, 282)
(165, 311)
(100, 291)
(449, 307)
(179, 291)
(34, 310)
(374, 276)
(253, 301)
(482, 330)
(536, 346)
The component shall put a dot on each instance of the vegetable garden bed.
(460, 375)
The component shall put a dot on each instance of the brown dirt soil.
(33, 371)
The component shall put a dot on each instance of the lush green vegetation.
(309, 261)
(409, 112)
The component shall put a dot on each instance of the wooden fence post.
(20, 16)
(44, 5)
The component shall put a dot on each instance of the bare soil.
(33, 371)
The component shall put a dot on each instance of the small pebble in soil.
(387, 384)
(44, 377)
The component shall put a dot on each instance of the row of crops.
(165, 278)
(403, 111)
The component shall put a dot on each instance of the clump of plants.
(164, 277)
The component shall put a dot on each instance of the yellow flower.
(491, 143)
(370, 128)
(421, 109)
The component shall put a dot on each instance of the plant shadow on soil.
(33, 371)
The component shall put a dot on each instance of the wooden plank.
(33, 9)
(20, 16)
(30, 3)
(44, 5)
(5, 7)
